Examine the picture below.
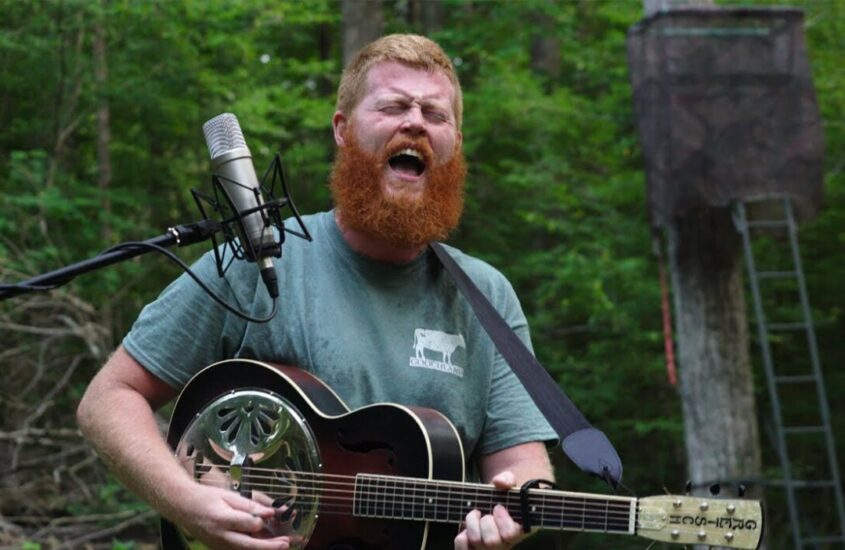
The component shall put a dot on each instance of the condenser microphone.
(231, 162)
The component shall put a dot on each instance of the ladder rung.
(795, 379)
(822, 540)
(776, 274)
(769, 223)
(804, 430)
(787, 326)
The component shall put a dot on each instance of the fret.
(413, 499)
(373, 497)
(606, 510)
(543, 511)
(428, 504)
(356, 497)
(378, 498)
(573, 521)
(562, 511)
(392, 499)
(488, 502)
(365, 496)
(384, 497)
(532, 512)
(403, 498)
(441, 513)
(583, 513)
(471, 499)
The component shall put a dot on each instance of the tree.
(362, 23)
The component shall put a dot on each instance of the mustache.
(400, 143)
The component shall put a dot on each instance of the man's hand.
(496, 531)
(222, 519)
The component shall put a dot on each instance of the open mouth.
(407, 162)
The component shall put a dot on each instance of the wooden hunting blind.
(726, 109)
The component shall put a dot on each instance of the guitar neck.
(389, 497)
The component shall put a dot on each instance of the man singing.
(361, 307)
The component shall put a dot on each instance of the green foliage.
(556, 192)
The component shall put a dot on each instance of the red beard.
(398, 219)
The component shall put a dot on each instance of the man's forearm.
(116, 416)
(122, 427)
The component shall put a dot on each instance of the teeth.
(410, 153)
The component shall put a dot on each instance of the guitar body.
(386, 476)
(237, 417)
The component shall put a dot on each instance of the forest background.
(101, 108)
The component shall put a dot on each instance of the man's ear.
(339, 125)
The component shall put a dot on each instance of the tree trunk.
(363, 22)
(104, 171)
(427, 14)
(716, 386)
(715, 374)
(545, 47)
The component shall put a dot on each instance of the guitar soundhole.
(263, 424)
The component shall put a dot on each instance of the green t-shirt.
(373, 331)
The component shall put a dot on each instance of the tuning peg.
(688, 487)
(715, 489)
(740, 490)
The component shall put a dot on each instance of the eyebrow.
(429, 97)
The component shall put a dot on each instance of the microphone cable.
(187, 269)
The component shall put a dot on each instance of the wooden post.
(715, 372)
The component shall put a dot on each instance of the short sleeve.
(184, 329)
(512, 416)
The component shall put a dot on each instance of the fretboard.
(444, 501)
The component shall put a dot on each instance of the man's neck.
(375, 248)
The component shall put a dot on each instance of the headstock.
(731, 523)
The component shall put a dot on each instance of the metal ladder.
(777, 381)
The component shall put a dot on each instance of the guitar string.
(430, 489)
(380, 507)
(429, 485)
(480, 492)
(347, 507)
(598, 523)
(370, 509)
(605, 509)
(347, 499)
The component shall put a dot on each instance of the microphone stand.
(180, 235)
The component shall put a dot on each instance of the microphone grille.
(222, 134)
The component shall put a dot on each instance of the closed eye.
(394, 109)
(437, 116)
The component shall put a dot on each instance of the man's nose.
(414, 121)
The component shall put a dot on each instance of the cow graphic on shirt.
(438, 343)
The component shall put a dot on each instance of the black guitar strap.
(586, 446)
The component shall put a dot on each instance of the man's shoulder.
(481, 272)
